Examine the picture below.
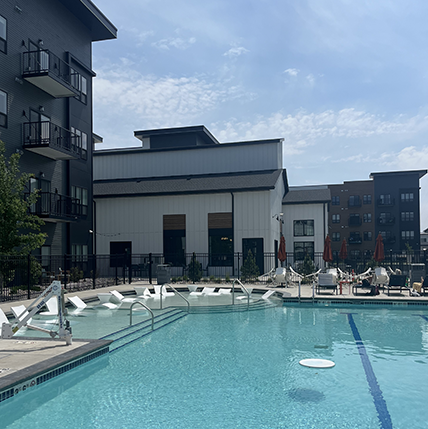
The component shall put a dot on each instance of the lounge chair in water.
(249, 290)
(205, 291)
(3, 319)
(267, 294)
(143, 292)
(162, 288)
(78, 305)
(52, 306)
(121, 301)
(105, 301)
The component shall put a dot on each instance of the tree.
(250, 270)
(195, 269)
(19, 229)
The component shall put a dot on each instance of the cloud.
(174, 42)
(236, 52)
(292, 72)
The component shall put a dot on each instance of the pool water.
(241, 370)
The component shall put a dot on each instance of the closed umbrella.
(343, 253)
(327, 254)
(379, 254)
(282, 255)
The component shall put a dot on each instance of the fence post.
(130, 268)
(28, 276)
(150, 268)
(94, 270)
(238, 267)
(64, 271)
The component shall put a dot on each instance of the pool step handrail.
(180, 294)
(243, 288)
(147, 308)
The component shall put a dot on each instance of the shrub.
(195, 269)
(76, 274)
(227, 279)
(250, 270)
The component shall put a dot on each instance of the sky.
(344, 82)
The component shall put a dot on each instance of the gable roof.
(197, 184)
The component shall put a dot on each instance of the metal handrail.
(147, 308)
(176, 291)
(243, 288)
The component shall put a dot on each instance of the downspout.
(233, 233)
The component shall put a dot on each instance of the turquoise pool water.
(241, 370)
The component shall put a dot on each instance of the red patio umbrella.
(379, 254)
(282, 255)
(327, 254)
(343, 253)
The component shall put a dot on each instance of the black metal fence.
(24, 277)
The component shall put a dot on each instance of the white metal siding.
(218, 159)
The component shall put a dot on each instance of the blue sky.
(345, 83)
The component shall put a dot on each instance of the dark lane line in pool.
(423, 317)
(380, 404)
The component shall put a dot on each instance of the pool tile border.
(97, 348)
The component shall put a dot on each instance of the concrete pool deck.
(26, 358)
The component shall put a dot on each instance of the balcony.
(354, 201)
(355, 240)
(49, 73)
(51, 141)
(354, 221)
(54, 207)
(386, 220)
(386, 202)
(389, 240)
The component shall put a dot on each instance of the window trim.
(3, 41)
(4, 114)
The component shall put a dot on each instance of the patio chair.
(380, 277)
(397, 281)
(52, 306)
(424, 286)
(122, 302)
(326, 282)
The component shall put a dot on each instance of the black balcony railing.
(56, 206)
(389, 240)
(52, 141)
(386, 220)
(385, 202)
(51, 74)
(355, 240)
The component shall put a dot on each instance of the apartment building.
(46, 109)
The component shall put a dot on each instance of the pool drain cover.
(317, 363)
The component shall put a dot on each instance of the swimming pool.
(241, 370)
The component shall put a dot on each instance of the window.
(3, 109)
(84, 145)
(354, 254)
(220, 239)
(80, 83)
(367, 217)
(407, 197)
(407, 216)
(80, 140)
(385, 200)
(80, 202)
(367, 199)
(303, 228)
(335, 236)
(3, 24)
(84, 90)
(368, 236)
(174, 239)
(335, 218)
(45, 253)
(354, 201)
(354, 219)
(303, 248)
(79, 252)
(386, 218)
(408, 235)
(335, 201)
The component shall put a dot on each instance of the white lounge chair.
(77, 303)
(52, 306)
(164, 291)
(267, 294)
(119, 299)
(205, 291)
(192, 288)
(20, 312)
(143, 292)
(249, 290)
(105, 301)
(3, 319)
